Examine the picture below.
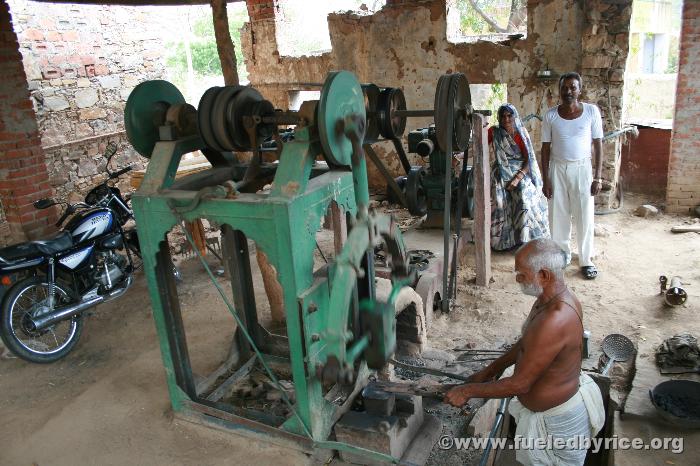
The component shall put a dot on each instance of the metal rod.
(427, 370)
(413, 113)
(499, 417)
(282, 118)
(357, 348)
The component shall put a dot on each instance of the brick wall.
(260, 9)
(683, 193)
(82, 61)
(23, 174)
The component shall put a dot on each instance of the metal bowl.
(678, 402)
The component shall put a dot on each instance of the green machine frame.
(335, 329)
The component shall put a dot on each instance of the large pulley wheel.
(249, 103)
(204, 118)
(145, 112)
(220, 124)
(416, 197)
(371, 93)
(341, 98)
(391, 126)
(453, 108)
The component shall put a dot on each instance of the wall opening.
(489, 97)
(472, 20)
(652, 64)
(302, 25)
(296, 98)
(192, 60)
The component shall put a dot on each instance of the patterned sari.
(520, 215)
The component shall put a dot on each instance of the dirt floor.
(107, 402)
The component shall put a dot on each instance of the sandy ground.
(107, 402)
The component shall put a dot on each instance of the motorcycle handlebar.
(119, 173)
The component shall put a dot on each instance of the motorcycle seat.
(58, 242)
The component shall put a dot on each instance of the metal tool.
(674, 294)
(616, 347)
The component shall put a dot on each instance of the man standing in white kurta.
(571, 133)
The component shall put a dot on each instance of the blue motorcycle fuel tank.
(90, 224)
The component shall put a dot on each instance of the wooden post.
(227, 56)
(482, 201)
(224, 44)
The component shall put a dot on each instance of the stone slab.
(647, 376)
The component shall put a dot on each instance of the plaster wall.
(405, 45)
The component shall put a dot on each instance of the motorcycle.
(50, 283)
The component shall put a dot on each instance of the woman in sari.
(518, 207)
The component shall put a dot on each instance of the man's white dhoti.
(583, 415)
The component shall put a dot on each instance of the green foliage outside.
(497, 98)
(472, 23)
(205, 57)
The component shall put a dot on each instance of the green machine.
(336, 331)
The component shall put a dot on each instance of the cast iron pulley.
(453, 94)
(416, 196)
(145, 112)
(371, 93)
(466, 181)
(341, 101)
(224, 113)
(391, 125)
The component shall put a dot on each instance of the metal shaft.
(413, 113)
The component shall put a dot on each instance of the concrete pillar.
(23, 174)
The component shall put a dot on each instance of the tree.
(492, 16)
(202, 43)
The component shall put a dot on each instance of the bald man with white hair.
(551, 398)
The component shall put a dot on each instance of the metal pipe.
(62, 313)
(627, 129)
(675, 295)
(41, 322)
(530, 117)
(499, 417)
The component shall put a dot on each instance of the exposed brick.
(684, 173)
(33, 34)
(22, 165)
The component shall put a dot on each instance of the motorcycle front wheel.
(29, 299)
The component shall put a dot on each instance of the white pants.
(571, 199)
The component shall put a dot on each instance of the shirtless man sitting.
(553, 398)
